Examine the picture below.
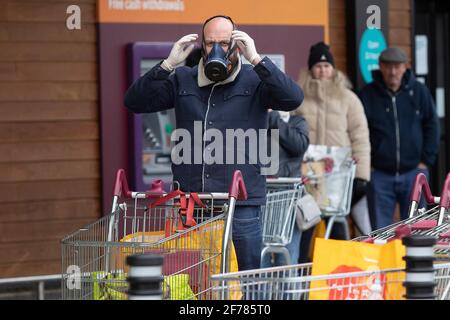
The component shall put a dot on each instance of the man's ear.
(204, 55)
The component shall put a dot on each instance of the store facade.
(65, 131)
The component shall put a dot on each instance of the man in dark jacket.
(237, 101)
(293, 142)
(404, 134)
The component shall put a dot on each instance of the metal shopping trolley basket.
(432, 222)
(333, 193)
(193, 238)
(295, 282)
(278, 215)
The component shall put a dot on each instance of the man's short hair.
(213, 17)
(218, 16)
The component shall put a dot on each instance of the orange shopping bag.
(337, 257)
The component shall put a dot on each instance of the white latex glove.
(246, 45)
(180, 50)
(284, 115)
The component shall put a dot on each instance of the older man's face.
(218, 30)
(393, 74)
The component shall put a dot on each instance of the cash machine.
(149, 132)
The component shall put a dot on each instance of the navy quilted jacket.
(239, 104)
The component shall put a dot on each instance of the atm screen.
(150, 132)
(156, 145)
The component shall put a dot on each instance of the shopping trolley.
(295, 282)
(433, 222)
(194, 243)
(337, 187)
(278, 215)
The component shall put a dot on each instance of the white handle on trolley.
(286, 180)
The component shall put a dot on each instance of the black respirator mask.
(218, 65)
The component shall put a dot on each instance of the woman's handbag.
(307, 212)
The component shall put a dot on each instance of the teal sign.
(371, 45)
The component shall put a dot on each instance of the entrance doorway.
(432, 64)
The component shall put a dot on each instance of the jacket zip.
(397, 132)
(204, 141)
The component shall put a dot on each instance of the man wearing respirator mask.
(220, 93)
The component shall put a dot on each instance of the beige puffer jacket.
(336, 117)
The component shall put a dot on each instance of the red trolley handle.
(445, 200)
(445, 196)
(237, 188)
(421, 184)
(121, 185)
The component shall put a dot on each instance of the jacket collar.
(203, 81)
(336, 87)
